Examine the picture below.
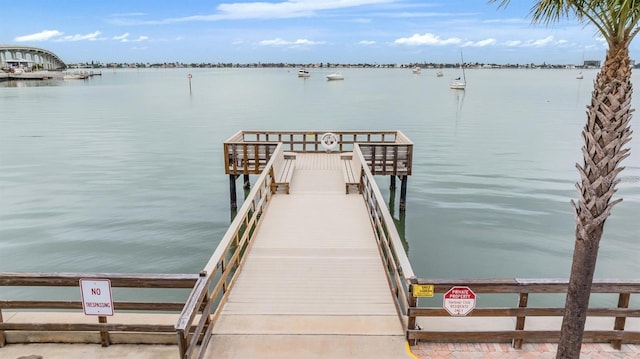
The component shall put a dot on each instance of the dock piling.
(233, 201)
(403, 193)
(247, 182)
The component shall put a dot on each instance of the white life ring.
(329, 141)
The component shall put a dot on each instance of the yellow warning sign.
(422, 290)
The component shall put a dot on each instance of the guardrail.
(385, 152)
(136, 282)
(203, 307)
(399, 271)
(615, 330)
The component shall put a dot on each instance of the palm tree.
(605, 135)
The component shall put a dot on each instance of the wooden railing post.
(3, 339)
(623, 302)
(522, 303)
(412, 302)
(182, 343)
(104, 334)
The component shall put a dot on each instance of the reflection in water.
(459, 101)
(400, 221)
(31, 83)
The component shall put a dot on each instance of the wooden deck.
(313, 284)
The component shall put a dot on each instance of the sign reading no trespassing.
(96, 297)
(459, 301)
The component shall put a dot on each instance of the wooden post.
(104, 335)
(403, 193)
(412, 302)
(247, 182)
(183, 343)
(233, 201)
(522, 303)
(3, 339)
(623, 302)
(392, 184)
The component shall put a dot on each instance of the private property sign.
(96, 297)
(459, 301)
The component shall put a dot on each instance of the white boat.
(335, 76)
(580, 76)
(303, 73)
(416, 70)
(459, 83)
(75, 76)
(439, 74)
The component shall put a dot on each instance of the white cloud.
(287, 9)
(40, 36)
(483, 43)
(122, 37)
(427, 39)
(79, 37)
(125, 38)
(513, 43)
(539, 43)
(260, 10)
(298, 42)
(367, 42)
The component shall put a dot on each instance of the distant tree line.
(123, 65)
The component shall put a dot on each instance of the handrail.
(385, 152)
(522, 289)
(132, 281)
(220, 272)
(399, 271)
(309, 141)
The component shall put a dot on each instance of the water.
(123, 173)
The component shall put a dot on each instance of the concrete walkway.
(365, 350)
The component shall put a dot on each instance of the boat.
(335, 76)
(75, 76)
(439, 74)
(416, 70)
(460, 83)
(580, 76)
(303, 73)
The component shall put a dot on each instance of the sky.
(296, 31)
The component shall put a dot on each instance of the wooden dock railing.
(137, 284)
(219, 274)
(385, 152)
(615, 330)
(399, 271)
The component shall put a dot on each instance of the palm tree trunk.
(605, 135)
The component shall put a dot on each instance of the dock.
(313, 279)
(311, 266)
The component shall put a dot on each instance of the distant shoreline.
(467, 65)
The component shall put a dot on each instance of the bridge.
(311, 265)
(29, 57)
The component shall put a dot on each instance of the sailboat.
(580, 76)
(460, 83)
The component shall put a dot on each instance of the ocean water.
(123, 172)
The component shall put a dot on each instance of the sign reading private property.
(459, 301)
(96, 297)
